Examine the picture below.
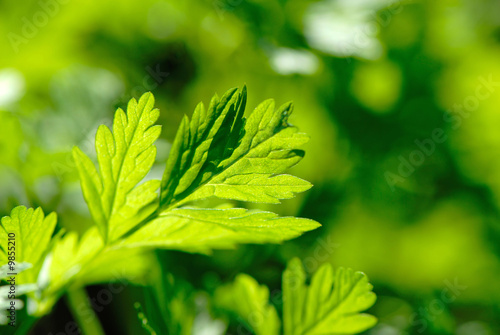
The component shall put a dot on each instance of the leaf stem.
(83, 312)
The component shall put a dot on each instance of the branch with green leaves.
(219, 153)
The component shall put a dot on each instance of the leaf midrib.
(113, 199)
(336, 306)
(207, 182)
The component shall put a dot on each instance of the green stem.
(83, 312)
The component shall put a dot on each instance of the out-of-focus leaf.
(30, 237)
(331, 304)
(249, 303)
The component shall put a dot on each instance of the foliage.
(221, 154)
(402, 112)
(248, 302)
(330, 305)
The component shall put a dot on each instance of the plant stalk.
(83, 312)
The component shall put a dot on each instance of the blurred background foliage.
(400, 98)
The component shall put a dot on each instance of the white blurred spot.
(384, 329)
(473, 328)
(204, 324)
(289, 61)
(12, 86)
(345, 28)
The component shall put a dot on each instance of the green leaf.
(249, 303)
(217, 153)
(330, 305)
(125, 157)
(68, 256)
(75, 262)
(32, 232)
(220, 153)
(88, 261)
(200, 230)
